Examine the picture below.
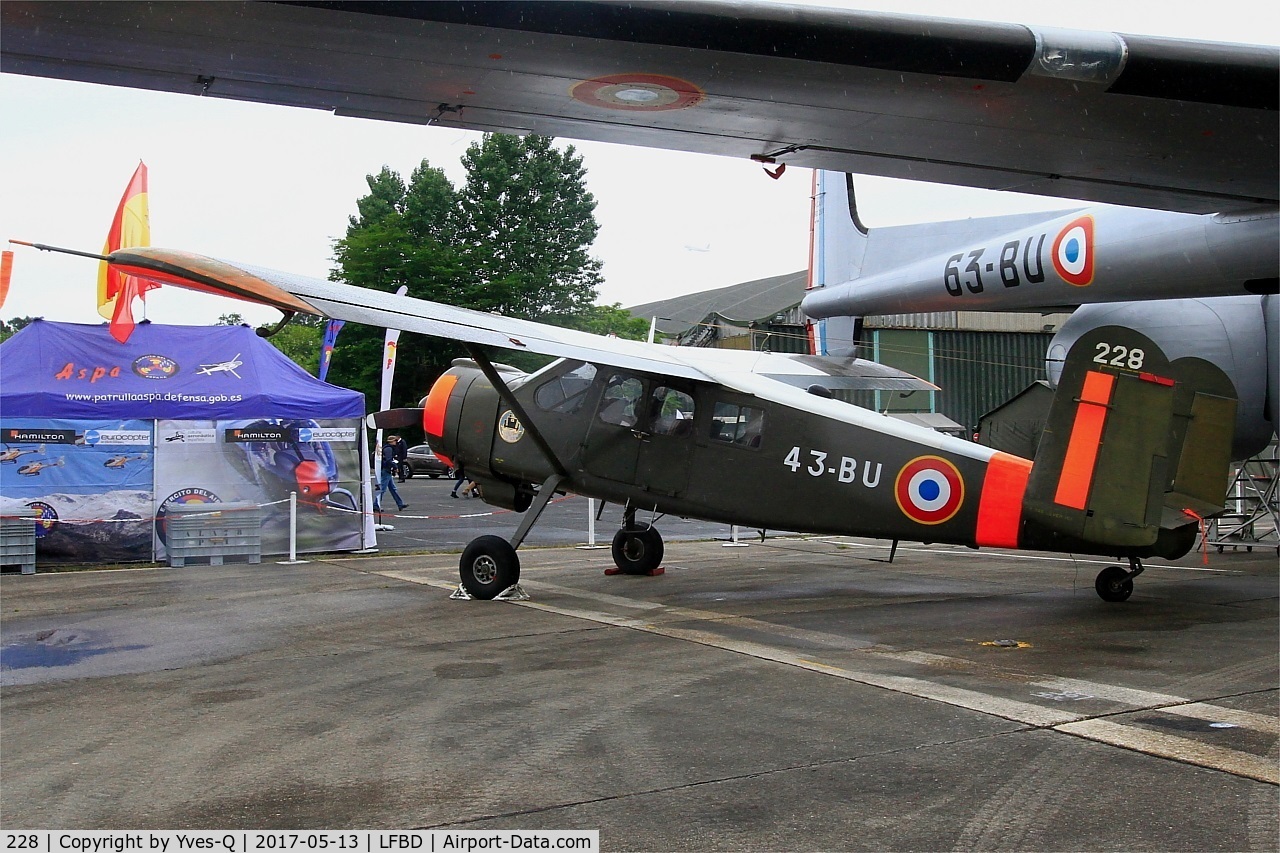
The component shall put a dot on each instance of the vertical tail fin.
(838, 250)
(1132, 442)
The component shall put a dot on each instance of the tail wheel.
(489, 565)
(1114, 584)
(637, 550)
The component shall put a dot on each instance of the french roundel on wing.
(929, 490)
(1073, 252)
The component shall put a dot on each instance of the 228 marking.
(1116, 355)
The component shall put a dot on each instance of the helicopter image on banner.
(1134, 454)
(282, 459)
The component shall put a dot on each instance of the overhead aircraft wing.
(1126, 119)
(301, 294)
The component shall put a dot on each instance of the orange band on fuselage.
(437, 403)
(1086, 437)
(1000, 506)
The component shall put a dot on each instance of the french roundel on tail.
(1073, 252)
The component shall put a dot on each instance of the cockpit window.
(621, 400)
(739, 425)
(567, 392)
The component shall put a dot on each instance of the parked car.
(423, 461)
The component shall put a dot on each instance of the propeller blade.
(394, 418)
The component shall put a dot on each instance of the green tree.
(12, 327)
(403, 235)
(300, 340)
(514, 240)
(528, 223)
(610, 320)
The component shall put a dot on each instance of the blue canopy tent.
(103, 437)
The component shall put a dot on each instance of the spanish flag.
(130, 228)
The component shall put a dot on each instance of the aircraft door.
(612, 446)
(663, 466)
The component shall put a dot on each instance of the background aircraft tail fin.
(839, 248)
(1135, 450)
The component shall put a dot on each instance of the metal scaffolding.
(1252, 518)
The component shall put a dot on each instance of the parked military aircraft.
(756, 439)
(1127, 119)
(1057, 260)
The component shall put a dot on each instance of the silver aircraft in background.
(1198, 285)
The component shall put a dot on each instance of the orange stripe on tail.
(1000, 506)
(1086, 438)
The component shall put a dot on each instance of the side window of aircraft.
(621, 401)
(567, 392)
(734, 424)
(670, 412)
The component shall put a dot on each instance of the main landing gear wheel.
(1114, 584)
(637, 550)
(489, 565)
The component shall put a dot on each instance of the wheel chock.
(460, 594)
(653, 573)
(515, 592)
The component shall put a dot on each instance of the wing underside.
(1125, 119)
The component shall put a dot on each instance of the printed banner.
(90, 481)
(261, 461)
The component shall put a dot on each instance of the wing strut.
(545, 494)
(491, 373)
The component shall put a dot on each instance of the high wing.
(1126, 119)
(746, 371)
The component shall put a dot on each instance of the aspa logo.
(155, 366)
(929, 490)
(1073, 252)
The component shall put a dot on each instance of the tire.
(406, 471)
(637, 550)
(1114, 584)
(489, 565)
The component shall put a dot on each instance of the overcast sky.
(274, 186)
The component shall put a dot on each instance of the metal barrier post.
(591, 527)
(733, 539)
(293, 532)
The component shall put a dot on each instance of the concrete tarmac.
(800, 694)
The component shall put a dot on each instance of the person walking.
(387, 475)
(459, 477)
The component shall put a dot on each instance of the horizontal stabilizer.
(851, 374)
